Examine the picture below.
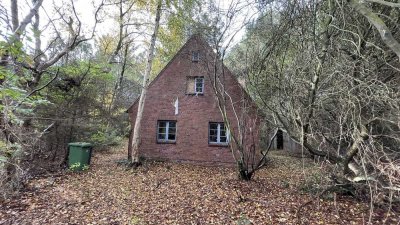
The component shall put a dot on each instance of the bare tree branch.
(391, 4)
(27, 19)
(379, 24)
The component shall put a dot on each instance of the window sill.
(166, 142)
(194, 94)
(218, 144)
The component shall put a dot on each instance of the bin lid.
(80, 144)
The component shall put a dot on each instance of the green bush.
(104, 139)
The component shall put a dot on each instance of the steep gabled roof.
(162, 71)
(204, 44)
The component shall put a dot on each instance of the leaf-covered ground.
(168, 193)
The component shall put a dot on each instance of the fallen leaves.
(169, 193)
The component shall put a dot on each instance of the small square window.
(166, 131)
(195, 56)
(218, 134)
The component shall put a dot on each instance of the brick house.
(181, 120)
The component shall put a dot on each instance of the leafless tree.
(240, 114)
(28, 65)
(42, 60)
(330, 78)
(134, 148)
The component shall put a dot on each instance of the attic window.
(199, 85)
(195, 85)
(195, 56)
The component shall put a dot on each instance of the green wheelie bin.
(79, 154)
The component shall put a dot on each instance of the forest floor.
(170, 193)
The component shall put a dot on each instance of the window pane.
(162, 124)
(161, 130)
(172, 124)
(171, 137)
(161, 136)
(213, 132)
(199, 84)
(195, 56)
(213, 126)
(172, 131)
(222, 139)
(213, 138)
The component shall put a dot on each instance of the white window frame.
(195, 56)
(166, 140)
(195, 85)
(218, 134)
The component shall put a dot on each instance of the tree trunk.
(14, 14)
(38, 41)
(118, 84)
(27, 19)
(244, 173)
(130, 144)
(136, 130)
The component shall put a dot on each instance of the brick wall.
(195, 112)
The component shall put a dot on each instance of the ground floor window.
(166, 131)
(218, 134)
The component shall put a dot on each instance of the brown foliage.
(168, 193)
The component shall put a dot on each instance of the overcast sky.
(86, 8)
